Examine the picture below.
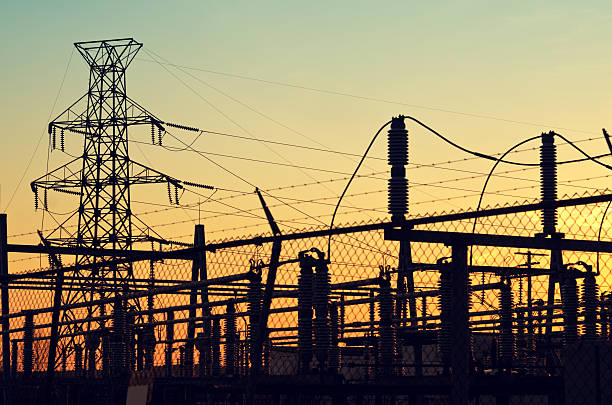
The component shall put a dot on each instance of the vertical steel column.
(254, 295)
(140, 350)
(106, 352)
(321, 322)
(445, 285)
(406, 272)
(92, 341)
(14, 357)
(6, 350)
(506, 339)
(305, 314)
(55, 315)
(198, 243)
(334, 354)
(216, 346)
(460, 354)
(118, 337)
(169, 342)
(78, 359)
(202, 343)
(28, 340)
(386, 330)
(604, 315)
(130, 341)
(230, 339)
(266, 302)
(148, 334)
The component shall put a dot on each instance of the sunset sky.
(318, 74)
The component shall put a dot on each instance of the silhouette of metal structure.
(102, 177)
(319, 327)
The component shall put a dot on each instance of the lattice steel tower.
(103, 182)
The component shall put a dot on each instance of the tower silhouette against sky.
(102, 177)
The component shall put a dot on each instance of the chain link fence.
(376, 322)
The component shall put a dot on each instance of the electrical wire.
(484, 187)
(367, 98)
(331, 224)
(41, 135)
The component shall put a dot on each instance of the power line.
(374, 99)
(41, 135)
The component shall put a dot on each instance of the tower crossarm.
(74, 118)
(141, 174)
(65, 178)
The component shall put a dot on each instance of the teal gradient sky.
(540, 62)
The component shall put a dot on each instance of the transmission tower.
(103, 175)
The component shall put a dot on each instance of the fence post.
(6, 350)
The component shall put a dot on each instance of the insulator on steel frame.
(605, 315)
(15, 356)
(159, 136)
(334, 353)
(28, 340)
(53, 139)
(445, 300)
(386, 331)
(78, 359)
(118, 337)
(151, 297)
(254, 298)
(506, 338)
(590, 292)
(398, 158)
(202, 343)
(62, 139)
(216, 346)
(266, 347)
(305, 312)
(169, 342)
(152, 134)
(92, 343)
(569, 290)
(230, 338)
(548, 183)
(148, 343)
(321, 322)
